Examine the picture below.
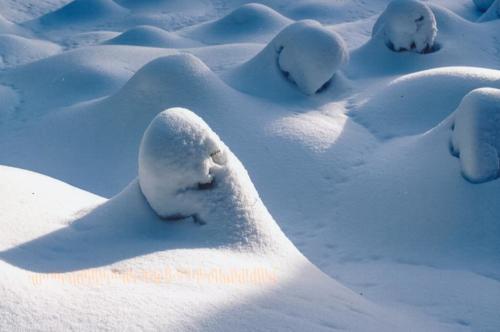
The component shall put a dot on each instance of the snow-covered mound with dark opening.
(415, 103)
(151, 36)
(249, 23)
(16, 50)
(407, 25)
(374, 58)
(476, 134)
(120, 263)
(82, 12)
(304, 56)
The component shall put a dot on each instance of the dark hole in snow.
(420, 19)
(179, 217)
(206, 185)
(434, 48)
(325, 86)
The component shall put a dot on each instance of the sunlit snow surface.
(308, 190)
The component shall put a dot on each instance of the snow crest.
(476, 135)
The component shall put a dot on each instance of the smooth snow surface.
(407, 25)
(476, 134)
(226, 165)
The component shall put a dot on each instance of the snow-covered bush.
(476, 134)
(309, 54)
(483, 5)
(407, 25)
(177, 155)
(304, 54)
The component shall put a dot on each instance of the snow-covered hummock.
(185, 170)
(177, 158)
(146, 35)
(476, 134)
(492, 13)
(17, 50)
(252, 22)
(483, 5)
(80, 11)
(407, 25)
(304, 53)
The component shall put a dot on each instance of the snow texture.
(476, 135)
(305, 54)
(483, 5)
(407, 25)
(179, 155)
(492, 13)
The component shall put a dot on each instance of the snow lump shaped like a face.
(476, 135)
(177, 156)
(407, 25)
(309, 54)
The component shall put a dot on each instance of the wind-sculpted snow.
(16, 50)
(354, 131)
(407, 25)
(82, 12)
(476, 135)
(303, 56)
(249, 23)
(152, 37)
(415, 103)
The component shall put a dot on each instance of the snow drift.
(476, 135)
(82, 12)
(16, 50)
(303, 54)
(151, 36)
(407, 25)
(251, 22)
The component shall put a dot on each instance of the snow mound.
(249, 23)
(175, 80)
(152, 37)
(407, 25)
(483, 5)
(493, 12)
(304, 54)
(476, 135)
(415, 103)
(82, 11)
(179, 156)
(16, 50)
(7, 26)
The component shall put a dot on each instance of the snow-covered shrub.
(309, 54)
(483, 5)
(177, 155)
(407, 25)
(476, 134)
(304, 55)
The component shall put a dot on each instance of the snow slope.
(338, 204)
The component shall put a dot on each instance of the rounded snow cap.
(177, 155)
(407, 25)
(476, 135)
(309, 54)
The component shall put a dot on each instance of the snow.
(339, 203)
(151, 36)
(303, 54)
(407, 25)
(476, 134)
(179, 157)
(493, 12)
(483, 5)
